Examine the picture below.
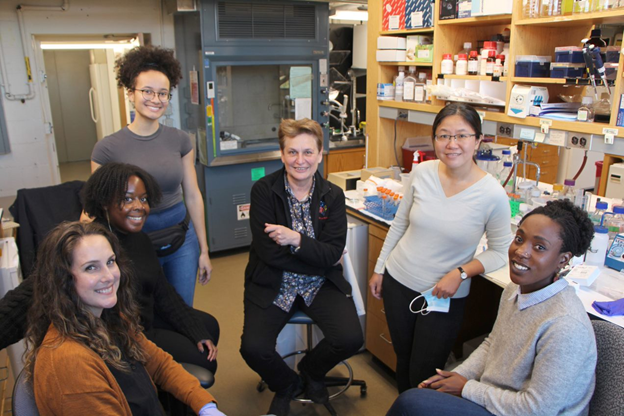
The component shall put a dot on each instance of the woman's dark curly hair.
(147, 58)
(108, 185)
(577, 230)
(55, 301)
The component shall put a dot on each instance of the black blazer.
(316, 256)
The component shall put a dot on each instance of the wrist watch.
(462, 273)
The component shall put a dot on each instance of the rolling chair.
(608, 399)
(300, 318)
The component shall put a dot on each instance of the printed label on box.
(416, 19)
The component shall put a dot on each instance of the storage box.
(611, 70)
(464, 9)
(378, 171)
(346, 180)
(572, 54)
(524, 96)
(390, 55)
(391, 42)
(533, 66)
(419, 49)
(448, 9)
(612, 54)
(385, 91)
(566, 70)
(393, 15)
(418, 13)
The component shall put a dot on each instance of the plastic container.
(557, 191)
(615, 222)
(598, 250)
(566, 70)
(398, 84)
(462, 65)
(447, 64)
(533, 66)
(571, 54)
(586, 110)
(596, 216)
(408, 85)
(504, 172)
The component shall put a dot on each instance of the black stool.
(300, 318)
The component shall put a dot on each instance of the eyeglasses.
(459, 138)
(150, 94)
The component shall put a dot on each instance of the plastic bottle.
(548, 7)
(398, 84)
(581, 6)
(447, 64)
(557, 191)
(555, 7)
(586, 111)
(596, 216)
(473, 63)
(420, 88)
(615, 222)
(462, 65)
(530, 9)
(598, 250)
(408, 85)
(505, 172)
(498, 66)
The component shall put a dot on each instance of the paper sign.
(300, 82)
(228, 145)
(545, 125)
(557, 138)
(303, 108)
(394, 22)
(417, 19)
(242, 212)
(527, 134)
(257, 173)
(539, 137)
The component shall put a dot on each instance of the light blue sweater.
(539, 359)
(433, 234)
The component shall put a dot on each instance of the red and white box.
(393, 15)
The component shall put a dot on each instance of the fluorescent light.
(359, 15)
(88, 45)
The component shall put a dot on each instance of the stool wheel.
(261, 386)
(363, 391)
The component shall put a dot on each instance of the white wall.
(33, 161)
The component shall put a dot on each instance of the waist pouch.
(169, 240)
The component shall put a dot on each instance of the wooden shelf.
(535, 80)
(475, 78)
(594, 18)
(418, 31)
(477, 21)
(422, 64)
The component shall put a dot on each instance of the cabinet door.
(342, 160)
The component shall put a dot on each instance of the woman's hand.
(212, 349)
(205, 268)
(433, 379)
(448, 285)
(375, 285)
(283, 236)
(451, 383)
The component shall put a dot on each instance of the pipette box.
(584, 274)
(571, 54)
(533, 66)
(566, 70)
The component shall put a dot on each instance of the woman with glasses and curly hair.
(149, 74)
(429, 252)
(86, 352)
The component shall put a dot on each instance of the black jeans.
(422, 343)
(331, 310)
(179, 346)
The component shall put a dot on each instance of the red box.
(393, 13)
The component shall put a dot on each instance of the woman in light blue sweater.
(430, 248)
(540, 357)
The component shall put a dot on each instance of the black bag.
(169, 240)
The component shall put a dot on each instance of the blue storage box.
(566, 70)
(533, 66)
(572, 54)
(418, 13)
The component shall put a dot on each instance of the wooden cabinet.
(340, 160)
(528, 37)
(378, 340)
(546, 156)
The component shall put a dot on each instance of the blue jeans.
(180, 267)
(427, 402)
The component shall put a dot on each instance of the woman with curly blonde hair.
(86, 351)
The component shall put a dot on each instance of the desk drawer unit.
(378, 340)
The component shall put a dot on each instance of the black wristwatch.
(462, 273)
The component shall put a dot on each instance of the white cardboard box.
(390, 55)
(391, 42)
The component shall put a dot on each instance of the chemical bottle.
(550, 8)
(586, 110)
(489, 64)
(416, 159)
(598, 249)
(615, 222)
(473, 63)
(485, 53)
(447, 64)
(505, 172)
(602, 109)
(569, 190)
(530, 9)
(462, 65)
(398, 84)
(408, 85)
(596, 216)
(420, 88)
(581, 6)
(498, 66)
(557, 192)
(467, 48)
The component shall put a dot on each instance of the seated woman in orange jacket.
(86, 351)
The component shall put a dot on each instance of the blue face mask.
(431, 303)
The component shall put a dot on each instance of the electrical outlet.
(504, 130)
(402, 115)
(579, 141)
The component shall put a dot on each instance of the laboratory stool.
(300, 318)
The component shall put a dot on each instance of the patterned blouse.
(294, 284)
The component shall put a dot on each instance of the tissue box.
(523, 97)
(584, 274)
(393, 15)
(391, 42)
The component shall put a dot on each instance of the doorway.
(85, 103)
